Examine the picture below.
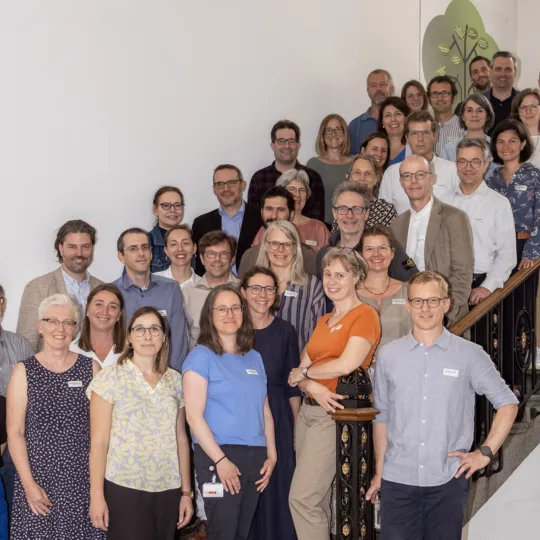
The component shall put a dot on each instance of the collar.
(443, 342)
(72, 280)
(297, 165)
(453, 118)
(482, 189)
(203, 282)
(240, 212)
(512, 95)
(366, 116)
(127, 283)
(424, 212)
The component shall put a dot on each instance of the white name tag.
(162, 312)
(450, 372)
(212, 490)
(75, 384)
(398, 301)
(251, 371)
(334, 328)
(521, 188)
(311, 242)
(292, 294)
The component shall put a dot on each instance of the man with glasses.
(74, 247)
(141, 288)
(438, 236)
(442, 92)
(285, 136)
(425, 391)
(217, 251)
(491, 218)
(234, 216)
(420, 131)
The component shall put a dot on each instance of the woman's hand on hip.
(266, 471)
(185, 511)
(99, 512)
(37, 500)
(229, 476)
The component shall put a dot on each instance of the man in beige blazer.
(437, 236)
(74, 246)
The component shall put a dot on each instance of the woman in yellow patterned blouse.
(139, 455)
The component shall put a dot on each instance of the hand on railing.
(478, 294)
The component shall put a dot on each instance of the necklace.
(380, 293)
(335, 315)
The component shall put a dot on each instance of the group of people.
(202, 378)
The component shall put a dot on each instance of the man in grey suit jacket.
(436, 235)
(74, 246)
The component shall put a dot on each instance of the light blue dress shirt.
(79, 291)
(232, 225)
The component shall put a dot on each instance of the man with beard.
(234, 216)
(379, 86)
(74, 246)
(285, 136)
(480, 73)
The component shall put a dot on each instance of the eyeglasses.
(275, 246)
(258, 289)
(474, 163)
(134, 249)
(167, 206)
(419, 175)
(528, 108)
(443, 93)
(53, 324)
(283, 142)
(344, 210)
(229, 183)
(358, 175)
(297, 191)
(433, 302)
(223, 255)
(334, 131)
(222, 311)
(424, 132)
(154, 331)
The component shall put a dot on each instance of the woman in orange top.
(342, 341)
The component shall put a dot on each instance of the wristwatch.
(304, 372)
(486, 451)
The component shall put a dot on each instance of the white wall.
(528, 42)
(102, 102)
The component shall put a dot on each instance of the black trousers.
(141, 515)
(229, 517)
(423, 513)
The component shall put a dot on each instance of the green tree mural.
(452, 40)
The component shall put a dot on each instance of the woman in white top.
(180, 250)
(526, 107)
(103, 332)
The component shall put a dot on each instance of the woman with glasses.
(229, 415)
(139, 457)
(300, 295)
(415, 95)
(377, 145)
(48, 429)
(180, 250)
(519, 181)
(168, 206)
(332, 145)
(312, 232)
(344, 340)
(394, 110)
(103, 333)
(526, 107)
(276, 341)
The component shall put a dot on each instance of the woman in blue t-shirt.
(229, 416)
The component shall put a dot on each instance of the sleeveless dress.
(57, 434)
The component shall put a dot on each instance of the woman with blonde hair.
(301, 297)
(333, 145)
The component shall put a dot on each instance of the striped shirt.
(13, 349)
(451, 131)
(303, 306)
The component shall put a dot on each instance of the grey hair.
(293, 174)
(351, 187)
(483, 101)
(59, 300)
(474, 143)
(298, 274)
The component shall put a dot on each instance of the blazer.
(211, 221)
(37, 290)
(448, 250)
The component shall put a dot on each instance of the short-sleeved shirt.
(236, 393)
(143, 448)
(328, 342)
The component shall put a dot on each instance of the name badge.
(311, 242)
(521, 188)
(398, 301)
(251, 371)
(75, 384)
(450, 372)
(334, 328)
(163, 312)
(212, 490)
(292, 294)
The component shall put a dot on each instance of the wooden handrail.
(492, 300)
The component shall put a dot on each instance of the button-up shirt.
(416, 237)
(494, 237)
(232, 224)
(426, 398)
(450, 131)
(13, 349)
(164, 295)
(79, 291)
(523, 192)
(360, 128)
(446, 181)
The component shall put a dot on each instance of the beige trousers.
(311, 488)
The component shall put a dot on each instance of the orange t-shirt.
(328, 343)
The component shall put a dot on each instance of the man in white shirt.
(438, 236)
(420, 130)
(491, 217)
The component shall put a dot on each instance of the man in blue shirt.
(379, 86)
(142, 288)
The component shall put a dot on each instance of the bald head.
(417, 181)
(413, 161)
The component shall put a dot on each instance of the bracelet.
(220, 459)
(187, 494)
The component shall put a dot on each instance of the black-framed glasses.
(356, 210)
(419, 175)
(258, 289)
(167, 206)
(475, 163)
(442, 93)
(283, 142)
(228, 183)
(55, 323)
(433, 302)
(222, 311)
(154, 330)
(275, 245)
